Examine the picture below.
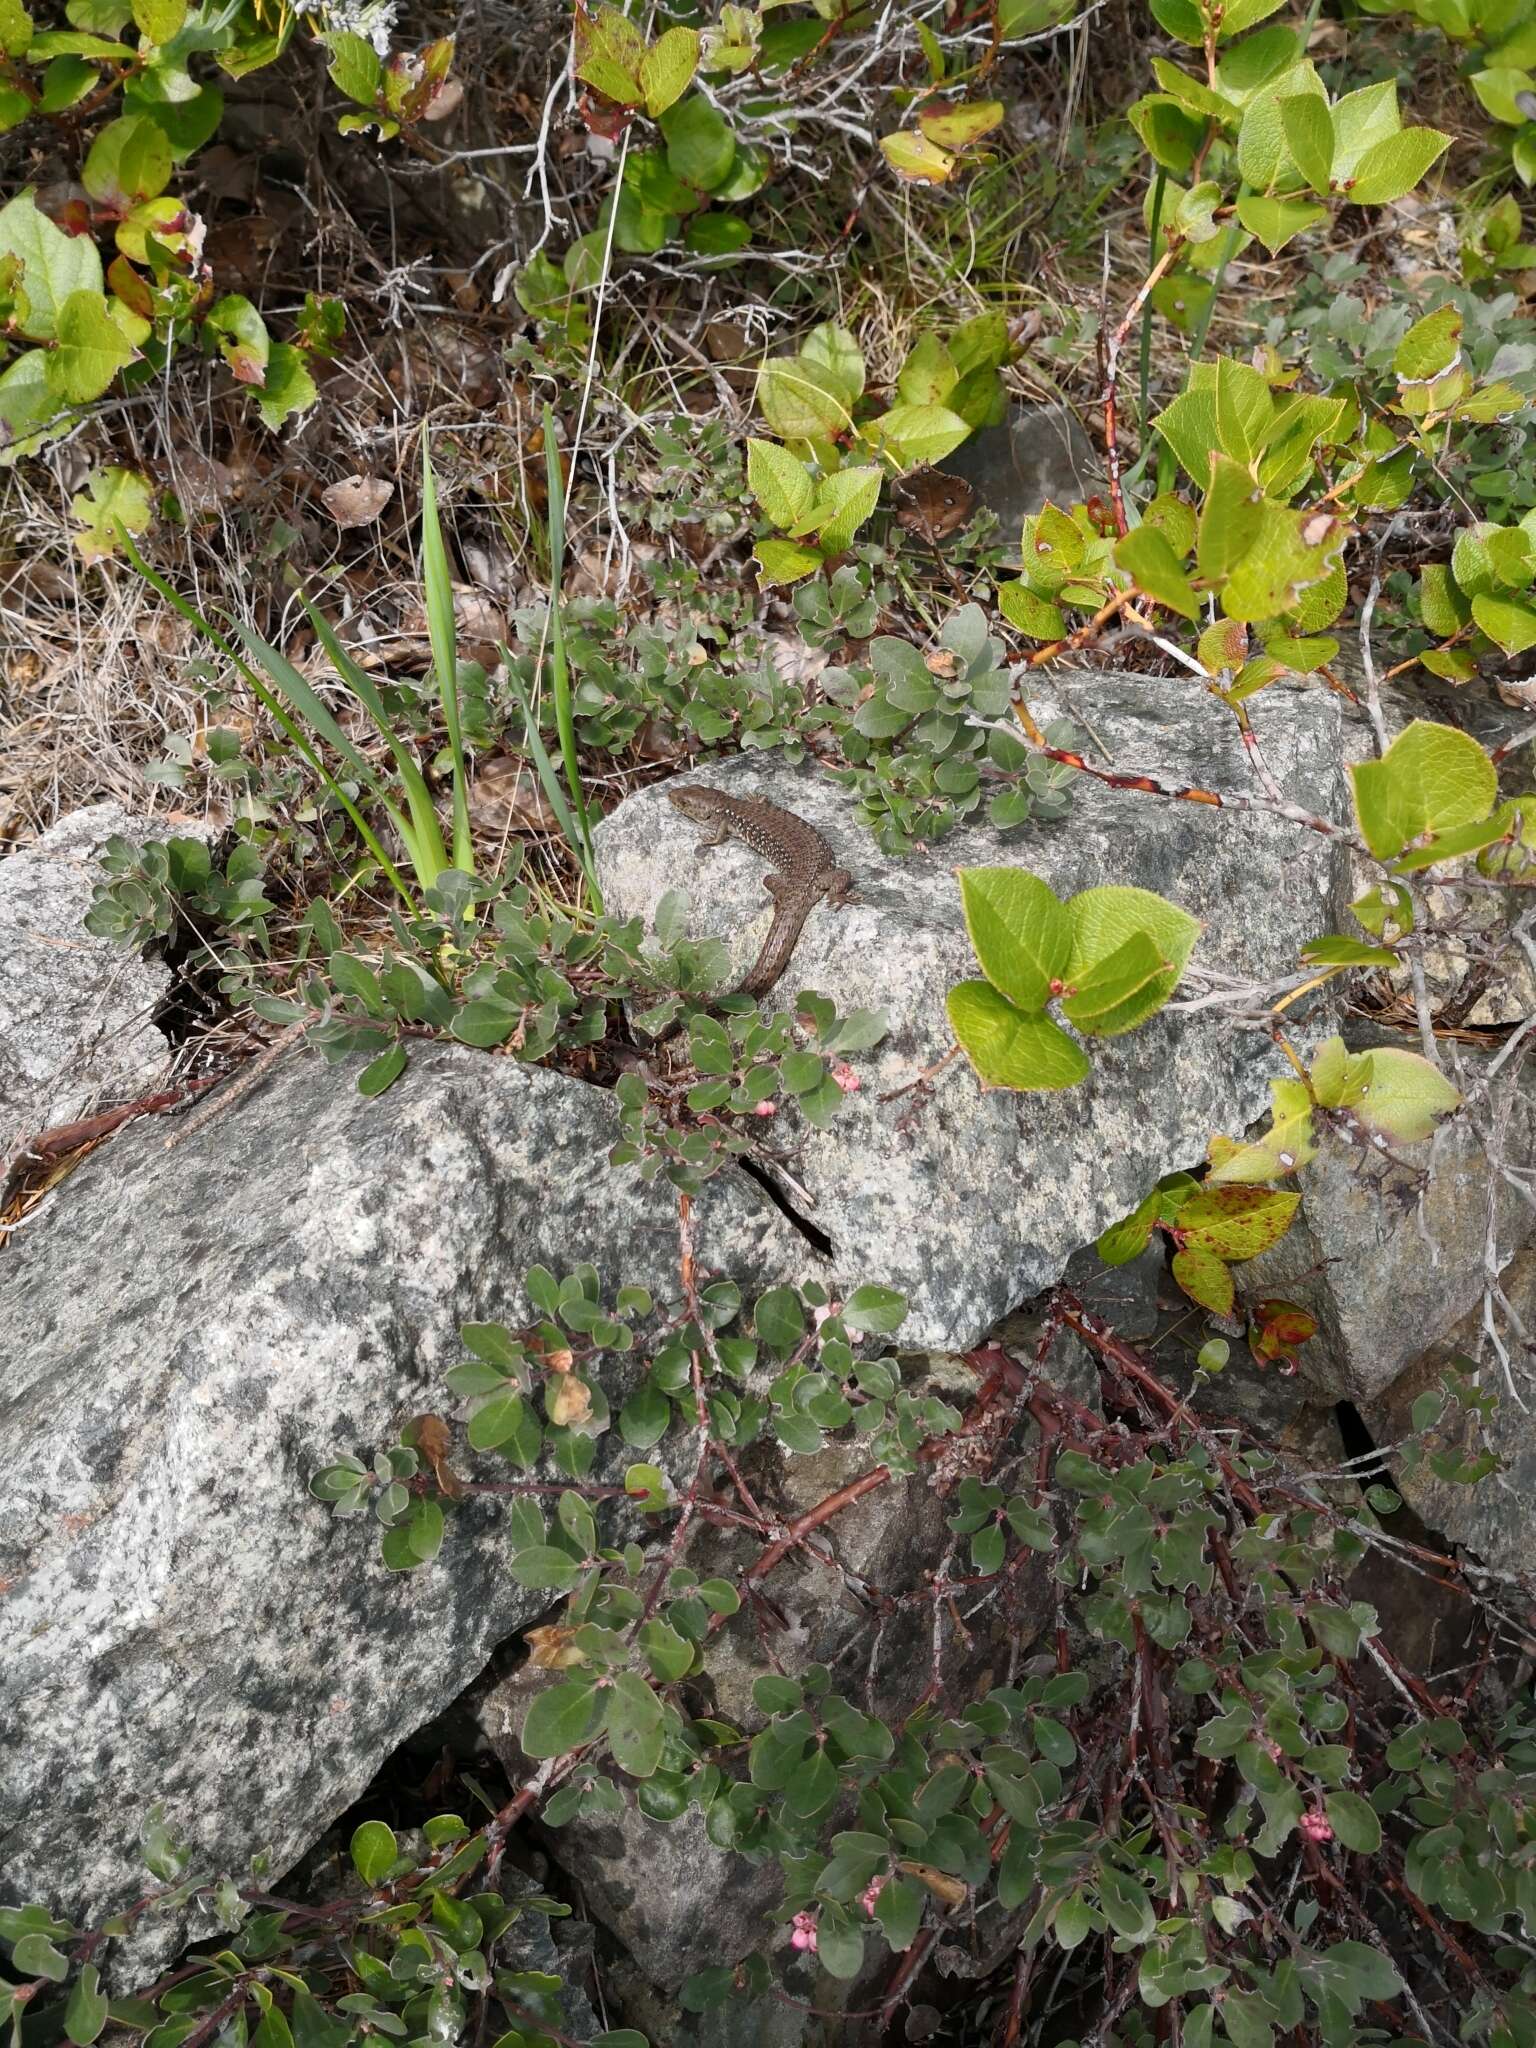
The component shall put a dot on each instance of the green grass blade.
(275, 709)
(565, 718)
(550, 781)
(310, 706)
(441, 630)
(429, 856)
(317, 714)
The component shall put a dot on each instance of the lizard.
(807, 869)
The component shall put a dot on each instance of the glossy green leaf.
(374, 1851)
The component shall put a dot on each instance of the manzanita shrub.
(1203, 1784)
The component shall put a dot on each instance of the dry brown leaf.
(432, 1437)
(933, 504)
(594, 575)
(795, 660)
(506, 796)
(949, 1889)
(357, 500)
(444, 101)
(202, 483)
(553, 1648)
(725, 341)
(476, 617)
(570, 1401)
(658, 740)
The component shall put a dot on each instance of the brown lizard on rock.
(807, 869)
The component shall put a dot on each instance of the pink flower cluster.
(870, 1893)
(1314, 1826)
(803, 1936)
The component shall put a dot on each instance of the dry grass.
(100, 685)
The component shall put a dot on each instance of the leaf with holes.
(1398, 1093)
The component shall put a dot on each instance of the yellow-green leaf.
(953, 128)
(667, 68)
(785, 561)
(159, 20)
(1020, 932)
(1431, 778)
(780, 483)
(911, 155)
(1391, 168)
(1009, 1048)
(91, 349)
(1205, 1279)
(1147, 558)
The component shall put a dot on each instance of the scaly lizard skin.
(807, 869)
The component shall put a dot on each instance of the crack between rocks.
(1360, 1445)
(813, 1234)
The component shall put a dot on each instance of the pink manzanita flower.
(845, 1078)
(1314, 1826)
(870, 1893)
(803, 1936)
(765, 1109)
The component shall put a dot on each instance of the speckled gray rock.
(1491, 1519)
(971, 1201)
(187, 1339)
(76, 1012)
(1385, 1273)
(1039, 453)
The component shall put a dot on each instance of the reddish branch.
(1274, 805)
(56, 1143)
(1112, 348)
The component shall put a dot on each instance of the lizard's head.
(694, 802)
